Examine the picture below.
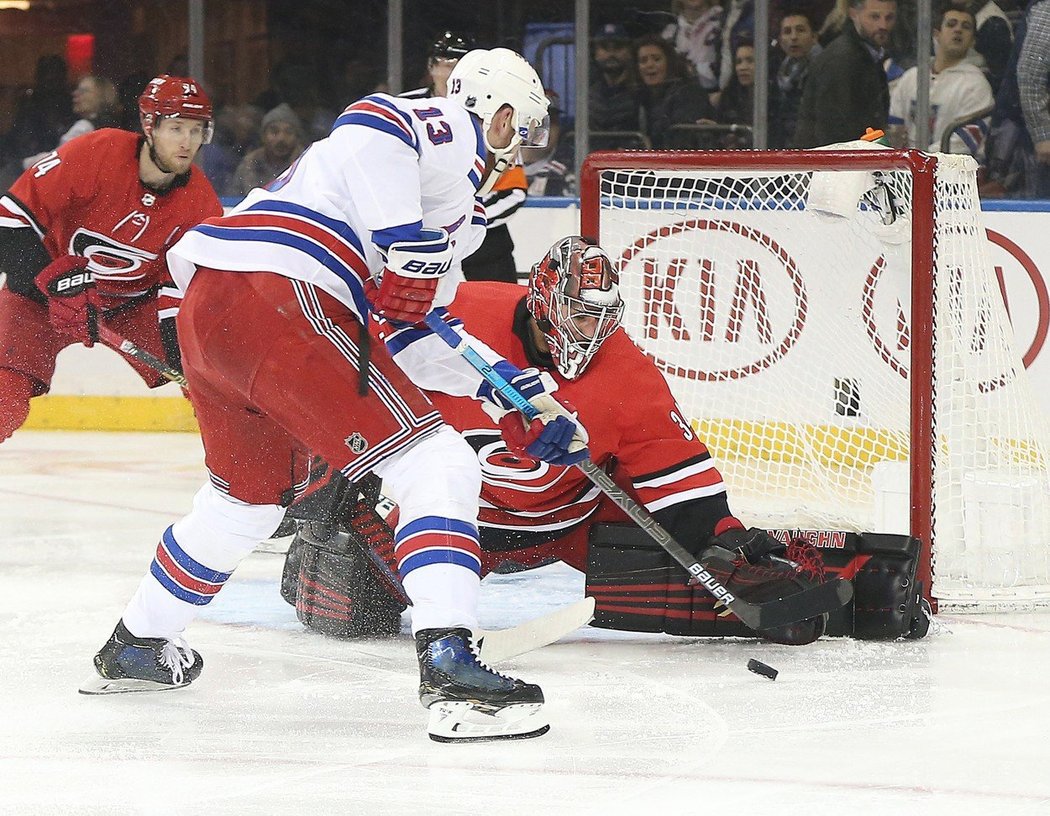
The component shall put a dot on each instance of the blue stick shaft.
(497, 380)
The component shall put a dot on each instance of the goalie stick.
(793, 608)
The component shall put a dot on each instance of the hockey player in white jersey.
(374, 219)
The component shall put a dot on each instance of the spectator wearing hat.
(282, 141)
(613, 96)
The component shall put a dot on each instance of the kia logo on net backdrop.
(735, 293)
(733, 302)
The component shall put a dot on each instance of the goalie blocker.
(638, 587)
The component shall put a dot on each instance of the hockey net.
(833, 329)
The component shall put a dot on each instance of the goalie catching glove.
(73, 303)
(555, 435)
(410, 279)
(765, 569)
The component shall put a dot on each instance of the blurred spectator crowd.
(683, 78)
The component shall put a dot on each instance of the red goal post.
(831, 325)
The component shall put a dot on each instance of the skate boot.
(127, 663)
(468, 701)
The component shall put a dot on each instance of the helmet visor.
(534, 132)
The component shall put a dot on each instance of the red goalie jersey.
(636, 431)
(86, 199)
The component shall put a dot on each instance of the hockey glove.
(410, 279)
(72, 299)
(754, 544)
(766, 569)
(554, 436)
(530, 383)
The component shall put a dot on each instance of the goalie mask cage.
(832, 327)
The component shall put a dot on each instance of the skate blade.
(466, 722)
(103, 685)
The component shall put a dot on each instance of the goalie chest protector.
(638, 587)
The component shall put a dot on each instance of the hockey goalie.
(341, 569)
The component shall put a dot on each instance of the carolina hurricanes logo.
(735, 296)
(107, 258)
(501, 468)
(496, 460)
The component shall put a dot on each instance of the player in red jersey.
(83, 234)
(567, 324)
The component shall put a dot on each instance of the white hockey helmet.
(483, 81)
(574, 296)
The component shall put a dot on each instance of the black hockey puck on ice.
(758, 667)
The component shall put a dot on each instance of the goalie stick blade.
(809, 603)
(503, 644)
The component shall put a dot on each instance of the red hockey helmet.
(574, 296)
(168, 96)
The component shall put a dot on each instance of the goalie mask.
(574, 296)
(169, 96)
(483, 81)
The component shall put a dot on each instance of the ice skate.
(128, 663)
(468, 701)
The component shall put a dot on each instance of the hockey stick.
(799, 606)
(118, 343)
(502, 644)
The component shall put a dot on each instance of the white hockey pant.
(194, 559)
(436, 484)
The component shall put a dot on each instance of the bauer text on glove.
(411, 276)
(73, 303)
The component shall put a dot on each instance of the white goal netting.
(787, 334)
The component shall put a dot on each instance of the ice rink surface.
(287, 722)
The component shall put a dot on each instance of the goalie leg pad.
(887, 603)
(338, 592)
(638, 587)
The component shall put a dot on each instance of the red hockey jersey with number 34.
(86, 199)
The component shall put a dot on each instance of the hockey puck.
(758, 667)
